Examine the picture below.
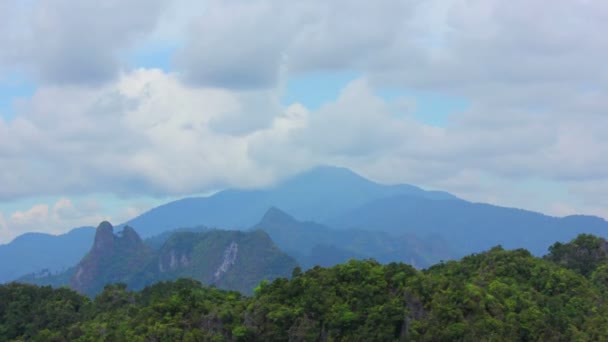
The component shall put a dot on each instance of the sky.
(110, 108)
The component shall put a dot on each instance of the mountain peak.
(105, 225)
(129, 234)
(111, 254)
(104, 237)
(327, 174)
(275, 215)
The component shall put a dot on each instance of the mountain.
(114, 257)
(469, 227)
(315, 195)
(233, 260)
(35, 252)
(433, 225)
(316, 244)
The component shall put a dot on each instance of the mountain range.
(469, 227)
(317, 195)
(325, 216)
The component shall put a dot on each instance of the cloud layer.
(535, 122)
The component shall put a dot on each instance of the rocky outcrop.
(229, 260)
(174, 260)
(112, 258)
(104, 238)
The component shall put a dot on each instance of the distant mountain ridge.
(334, 198)
(469, 227)
(315, 195)
(316, 244)
(34, 252)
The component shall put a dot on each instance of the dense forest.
(496, 295)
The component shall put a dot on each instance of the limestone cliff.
(114, 257)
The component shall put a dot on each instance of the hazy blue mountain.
(469, 227)
(316, 244)
(35, 252)
(433, 225)
(316, 195)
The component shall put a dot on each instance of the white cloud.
(36, 215)
(55, 218)
(144, 133)
(5, 232)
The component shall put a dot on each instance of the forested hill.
(231, 260)
(497, 295)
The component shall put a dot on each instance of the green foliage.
(497, 295)
(582, 255)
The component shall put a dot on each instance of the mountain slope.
(315, 195)
(315, 244)
(232, 260)
(34, 252)
(469, 227)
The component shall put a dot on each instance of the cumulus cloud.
(144, 133)
(248, 44)
(148, 133)
(358, 124)
(35, 215)
(61, 41)
(236, 44)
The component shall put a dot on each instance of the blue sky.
(108, 111)
(13, 87)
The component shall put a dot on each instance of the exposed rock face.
(229, 259)
(112, 258)
(104, 238)
(172, 261)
